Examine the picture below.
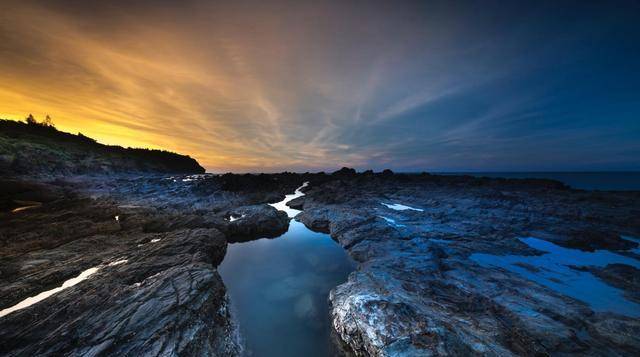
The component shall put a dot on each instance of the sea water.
(279, 290)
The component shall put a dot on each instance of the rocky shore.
(421, 288)
(148, 246)
(152, 244)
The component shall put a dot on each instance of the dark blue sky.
(301, 85)
(533, 87)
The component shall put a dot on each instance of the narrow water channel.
(279, 289)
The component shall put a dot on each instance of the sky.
(265, 86)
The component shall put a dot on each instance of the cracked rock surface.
(417, 292)
(152, 247)
(154, 244)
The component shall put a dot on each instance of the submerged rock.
(622, 276)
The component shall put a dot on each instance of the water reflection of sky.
(282, 205)
(392, 222)
(553, 270)
(279, 288)
(635, 250)
(45, 294)
(401, 207)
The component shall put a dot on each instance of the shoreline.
(425, 253)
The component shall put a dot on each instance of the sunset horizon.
(413, 86)
(327, 178)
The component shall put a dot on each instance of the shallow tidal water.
(553, 269)
(279, 290)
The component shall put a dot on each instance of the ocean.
(604, 181)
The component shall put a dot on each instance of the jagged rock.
(417, 292)
(387, 173)
(13, 192)
(259, 221)
(344, 172)
(167, 298)
(593, 239)
(624, 277)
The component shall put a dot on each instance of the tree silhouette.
(31, 120)
(47, 121)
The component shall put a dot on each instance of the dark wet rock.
(171, 222)
(416, 292)
(254, 222)
(594, 239)
(246, 183)
(344, 172)
(622, 276)
(296, 203)
(167, 298)
(319, 225)
(387, 173)
(17, 193)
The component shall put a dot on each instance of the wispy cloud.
(251, 86)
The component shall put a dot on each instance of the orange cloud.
(241, 88)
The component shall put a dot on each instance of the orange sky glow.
(266, 86)
(203, 87)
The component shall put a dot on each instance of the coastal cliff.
(37, 149)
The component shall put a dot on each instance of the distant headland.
(33, 147)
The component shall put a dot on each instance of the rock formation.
(418, 292)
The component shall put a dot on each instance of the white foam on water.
(156, 240)
(400, 207)
(282, 205)
(45, 294)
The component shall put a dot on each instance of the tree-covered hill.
(34, 148)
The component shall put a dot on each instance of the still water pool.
(279, 290)
(556, 269)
